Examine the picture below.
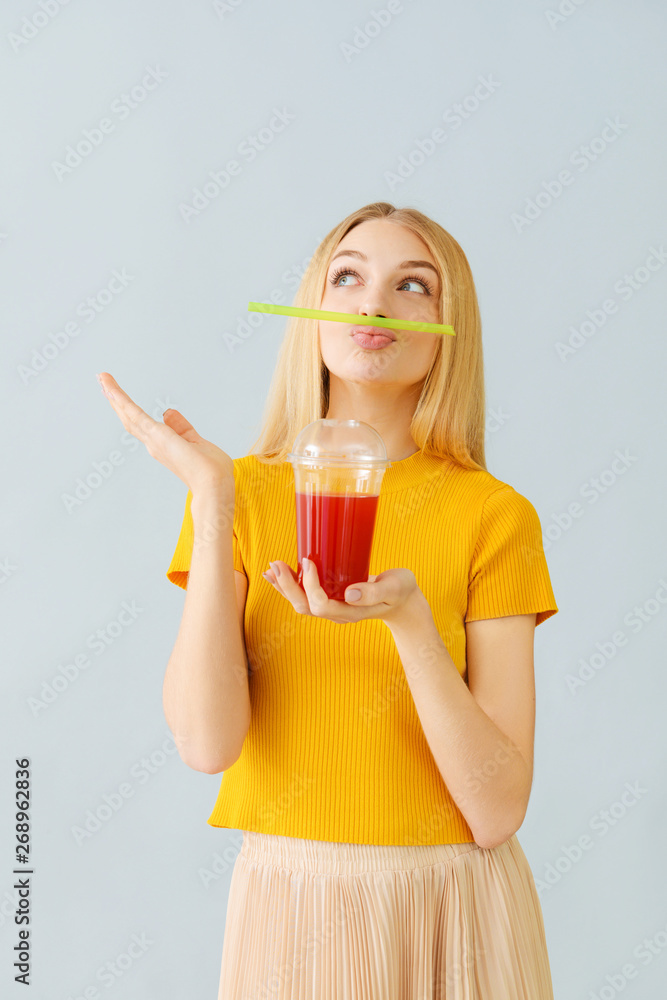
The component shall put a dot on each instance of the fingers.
(315, 602)
(381, 594)
(178, 423)
(134, 419)
(289, 588)
(319, 603)
(386, 589)
(281, 577)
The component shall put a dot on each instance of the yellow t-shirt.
(335, 750)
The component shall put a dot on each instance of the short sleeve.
(179, 566)
(509, 573)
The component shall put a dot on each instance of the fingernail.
(105, 391)
(353, 595)
(274, 566)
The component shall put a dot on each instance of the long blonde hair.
(449, 418)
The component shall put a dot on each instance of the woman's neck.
(397, 439)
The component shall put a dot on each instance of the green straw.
(355, 318)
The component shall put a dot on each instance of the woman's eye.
(421, 286)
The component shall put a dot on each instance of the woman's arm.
(205, 694)
(481, 736)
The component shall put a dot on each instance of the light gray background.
(168, 339)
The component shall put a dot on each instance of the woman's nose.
(374, 307)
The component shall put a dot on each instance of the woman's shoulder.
(480, 482)
(259, 467)
(487, 496)
(502, 503)
(242, 464)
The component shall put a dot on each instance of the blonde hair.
(449, 418)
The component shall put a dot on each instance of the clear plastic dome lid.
(345, 442)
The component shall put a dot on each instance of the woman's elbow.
(213, 755)
(204, 765)
(495, 836)
(201, 759)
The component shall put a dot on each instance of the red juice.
(336, 532)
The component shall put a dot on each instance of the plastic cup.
(338, 468)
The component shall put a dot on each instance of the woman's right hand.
(201, 465)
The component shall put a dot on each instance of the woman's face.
(387, 275)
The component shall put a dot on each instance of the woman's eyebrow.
(403, 264)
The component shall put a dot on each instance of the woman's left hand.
(384, 596)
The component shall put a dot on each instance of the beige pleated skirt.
(320, 920)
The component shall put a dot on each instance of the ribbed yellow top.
(335, 750)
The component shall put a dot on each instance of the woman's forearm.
(463, 739)
(205, 694)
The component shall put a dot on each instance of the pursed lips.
(383, 330)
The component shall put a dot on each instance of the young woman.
(377, 752)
